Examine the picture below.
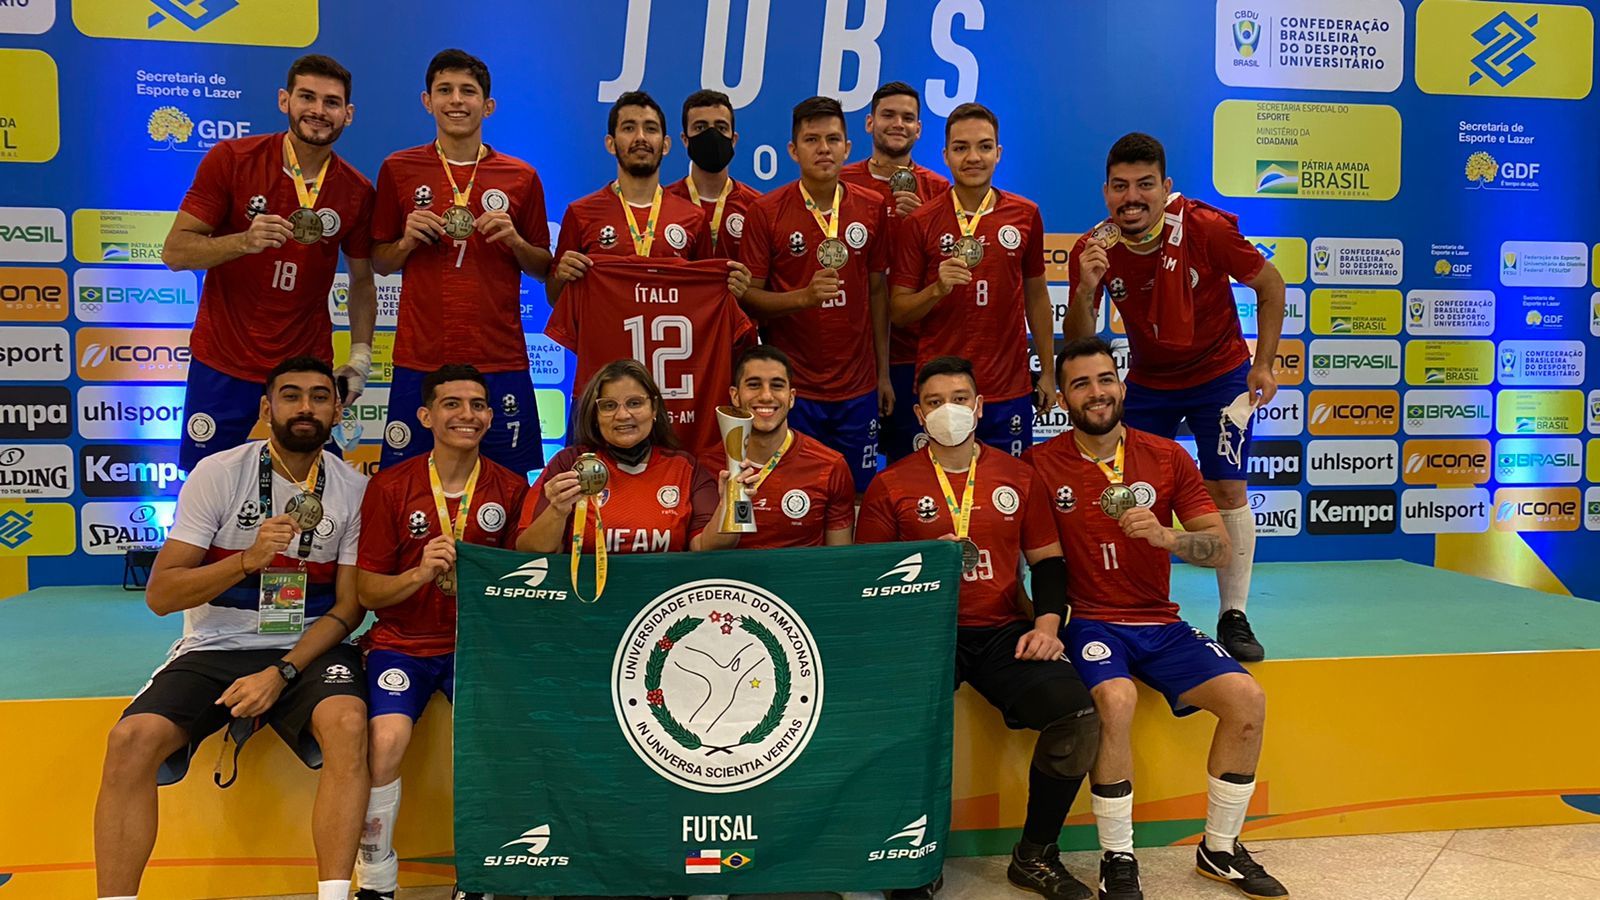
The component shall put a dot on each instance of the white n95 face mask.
(951, 424)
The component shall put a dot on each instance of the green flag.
(745, 722)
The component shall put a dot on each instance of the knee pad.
(1066, 747)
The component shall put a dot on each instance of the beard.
(1080, 420)
(295, 442)
(299, 132)
(639, 169)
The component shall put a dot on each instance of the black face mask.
(630, 456)
(711, 150)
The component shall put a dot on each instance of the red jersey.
(1010, 515)
(1112, 577)
(810, 493)
(729, 236)
(1216, 251)
(677, 319)
(930, 184)
(659, 509)
(262, 308)
(399, 518)
(460, 301)
(985, 320)
(594, 226)
(830, 347)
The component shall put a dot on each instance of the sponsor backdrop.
(1419, 172)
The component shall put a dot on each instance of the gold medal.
(305, 509)
(459, 222)
(304, 222)
(969, 250)
(903, 179)
(446, 580)
(716, 213)
(643, 238)
(1106, 234)
(1117, 499)
(306, 225)
(592, 474)
(832, 254)
(458, 219)
(961, 513)
(969, 554)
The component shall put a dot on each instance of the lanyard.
(828, 223)
(961, 515)
(579, 515)
(317, 474)
(1112, 467)
(788, 441)
(716, 214)
(969, 221)
(459, 530)
(461, 196)
(642, 242)
(308, 195)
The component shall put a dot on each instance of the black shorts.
(185, 692)
(1029, 693)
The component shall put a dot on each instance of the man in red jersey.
(1114, 489)
(633, 216)
(464, 221)
(413, 515)
(804, 496)
(676, 318)
(817, 249)
(969, 272)
(709, 137)
(998, 510)
(894, 121)
(1165, 261)
(265, 219)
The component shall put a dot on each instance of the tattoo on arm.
(1199, 548)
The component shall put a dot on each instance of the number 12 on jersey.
(660, 351)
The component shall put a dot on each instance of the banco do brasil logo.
(1504, 57)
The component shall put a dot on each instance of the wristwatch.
(286, 670)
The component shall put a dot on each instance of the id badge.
(282, 602)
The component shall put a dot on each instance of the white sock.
(1113, 819)
(1226, 806)
(376, 865)
(1233, 579)
(333, 890)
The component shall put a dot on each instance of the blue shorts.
(219, 412)
(848, 426)
(1159, 412)
(400, 683)
(513, 439)
(1008, 424)
(901, 427)
(1172, 659)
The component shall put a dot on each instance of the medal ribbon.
(308, 195)
(969, 221)
(461, 196)
(961, 515)
(458, 530)
(579, 514)
(641, 242)
(1112, 468)
(828, 223)
(269, 455)
(788, 441)
(716, 214)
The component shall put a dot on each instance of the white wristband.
(361, 359)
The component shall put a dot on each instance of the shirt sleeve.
(358, 240)
(533, 223)
(202, 502)
(350, 541)
(379, 542)
(1190, 499)
(517, 494)
(877, 523)
(841, 511)
(700, 247)
(570, 237)
(1229, 252)
(210, 196)
(388, 219)
(703, 498)
(755, 248)
(562, 326)
(1033, 253)
(536, 501)
(910, 258)
(1038, 524)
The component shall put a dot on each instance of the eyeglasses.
(609, 407)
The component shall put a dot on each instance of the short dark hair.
(1137, 147)
(815, 108)
(586, 421)
(633, 98)
(971, 111)
(453, 60)
(703, 98)
(945, 365)
(447, 373)
(317, 64)
(1093, 345)
(765, 352)
(297, 364)
(894, 89)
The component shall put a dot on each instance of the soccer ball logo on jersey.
(1118, 289)
(947, 244)
(855, 234)
(797, 244)
(1006, 500)
(608, 237)
(1016, 425)
(249, 515)
(422, 197)
(417, 523)
(669, 496)
(1010, 237)
(1065, 501)
(256, 206)
(495, 200)
(735, 225)
(925, 509)
(509, 405)
(676, 236)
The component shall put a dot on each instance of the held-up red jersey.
(460, 301)
(593, 225)
(809, 494)
(1009, 517)
(985, 320)
(730, 233)
(659, 509)
(1110, 576)
(831, 347)
(262, 308)
(676, 318)
(1216, 251)
(399, 518)
(930, 184)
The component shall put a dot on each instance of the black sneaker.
(370, 894)
(1119, 877)
(1240, 870)
(1045, 875)
(918, 893)
(1233, 630)
(459, 894)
